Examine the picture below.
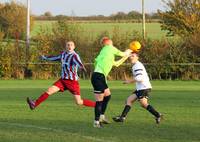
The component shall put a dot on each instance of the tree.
(182, 17)
(119, 16)
(13, 19)
(134, 15)
(48, 14)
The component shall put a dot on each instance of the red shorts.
(66, 84)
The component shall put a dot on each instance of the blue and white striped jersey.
(70, 63)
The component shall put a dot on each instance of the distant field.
(153, 30)
(58, 119)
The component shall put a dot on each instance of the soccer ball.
(135, 46)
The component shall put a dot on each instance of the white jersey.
(141, 77)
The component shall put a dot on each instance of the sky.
(90, 7)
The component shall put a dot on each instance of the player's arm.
(51, 58)
(120, 61)
(117, 52)
(129, 81)
(84, 69)
(139, 77)
(136, 79)
(78, 62)
(124, 56)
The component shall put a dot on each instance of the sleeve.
(138, 73)
(53, 58)
(118, 52)
(120, 61)
(77, 61)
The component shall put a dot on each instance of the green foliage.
(164, 58)
(5, 61)
(48, 14)
(13, 20)
(66, 31)
(11, 60)
(155, 54)
(133, 16)
(182, 17)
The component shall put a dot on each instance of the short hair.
(69, 41)
(133, 53)
(106, 40)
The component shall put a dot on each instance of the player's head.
(70, 46)
(133, 58)
(106, 41)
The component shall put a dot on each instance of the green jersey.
(106, 58)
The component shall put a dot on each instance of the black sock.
(105, 103)
(98, 109)
(125, 111)
(153, 111)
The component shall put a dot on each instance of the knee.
(107, 98)
(52, 90)
(107, 92)
(144, 105)
(128, 102)
(79, 102)
(49, 91)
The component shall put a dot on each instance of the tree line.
(133, 16)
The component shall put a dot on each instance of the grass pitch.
(58, 119)
(153, 30)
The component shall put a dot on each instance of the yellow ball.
(135, 46)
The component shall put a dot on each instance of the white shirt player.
(140, 76)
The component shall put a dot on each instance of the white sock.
(96, 122)
(102, 116)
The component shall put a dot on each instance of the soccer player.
(143, 88)
(103, 65)
(70, 62)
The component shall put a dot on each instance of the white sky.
(90, 7)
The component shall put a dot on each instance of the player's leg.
(106, 99)
(57, 86)
(144, 103)
(130, 100)
(85, 102)
(74, 88)
(50, 91)
(99, 85)
(98, 109)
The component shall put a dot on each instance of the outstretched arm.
(128, 81)
(51, 58)
(126, 54)
(120, 61)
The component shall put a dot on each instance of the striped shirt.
(70, 63)
(141, 76)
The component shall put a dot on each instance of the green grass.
(58, 119)
(153, 30)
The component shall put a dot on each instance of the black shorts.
(142, 93)
(98, 82)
